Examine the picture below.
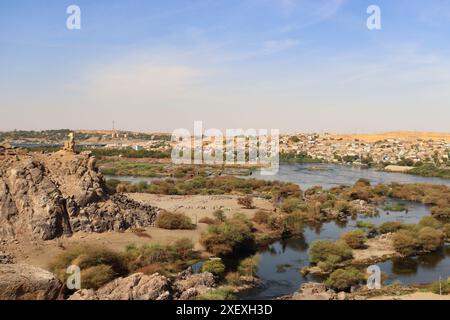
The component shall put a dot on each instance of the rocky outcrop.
(6, 258)
(50, 195)
(187, 285)
(24, 282)
(314, 291)
(319, 291)
(138, 286)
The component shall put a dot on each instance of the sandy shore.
(200, 206)
(40, 253)
(414, 296)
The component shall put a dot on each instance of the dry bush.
(355, 239)
(174, 221)
(246, 202)
(262, 216)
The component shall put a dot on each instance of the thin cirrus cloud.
(289, 64)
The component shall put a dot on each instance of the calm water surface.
(279, 264)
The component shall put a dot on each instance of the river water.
(280, 263)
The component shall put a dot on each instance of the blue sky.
(295, 65)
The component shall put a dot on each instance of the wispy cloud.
(308, 12)
(274, 46)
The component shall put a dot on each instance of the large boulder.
(188, 286)
(314, 291)
(25, 282)
(138, 286)
(47, 196)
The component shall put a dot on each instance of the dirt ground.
(376, 249)
(40, 253)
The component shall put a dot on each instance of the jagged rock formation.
(139, 286)
(50, 195)
(24, 282)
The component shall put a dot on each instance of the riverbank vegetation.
(431, 170)
(232, 236)
(344, 279)
(314, 205)
(294, 157)
(100, 265)
(355, 239)
(214, 185)
(329, 255)
(163, 169)
(395, 207)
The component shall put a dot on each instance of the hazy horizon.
(293, 65)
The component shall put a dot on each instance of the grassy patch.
(396, 207)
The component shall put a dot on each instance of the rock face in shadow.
(46, 196)
(138, 286)
(24, 282)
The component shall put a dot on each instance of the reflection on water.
(418, 270)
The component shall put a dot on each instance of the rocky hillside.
(138, 286)
(46, 196)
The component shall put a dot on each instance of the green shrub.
(174, 221)
(215, 266)
(446, 230)
(342, 206)
(431, 239)
(262, 216)
(362, 182)
(365, 225)
(291, 204)
(355, 238)
(139, 257)
(390, 226)
(221, 293)
(232, 235)
(248, 266)
(328, 255)
(292, 223)
(396, 207)
(405, 242)
(219, 215)
(98, 265)
(439, 287)
(343, 279)
(429, 221)
(96, 276)
(246, 202)
(111, 185)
